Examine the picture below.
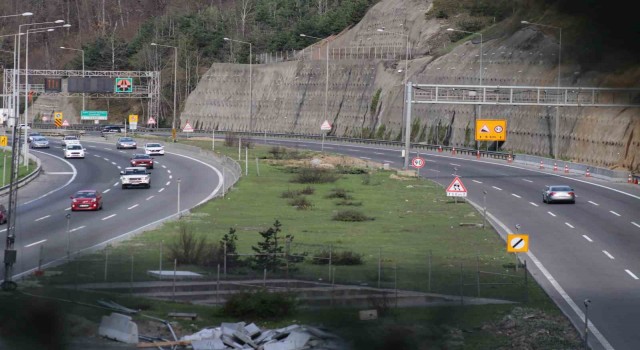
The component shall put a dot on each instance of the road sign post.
(418, 163)
(325, 127)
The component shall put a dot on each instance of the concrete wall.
(289, 96)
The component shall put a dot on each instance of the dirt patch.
(327, 162)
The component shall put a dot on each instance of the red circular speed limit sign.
(417, 162)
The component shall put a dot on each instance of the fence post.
(106, 262)
(478, 274)
(379, 265)
(526, 282)
(218, 284)
(395, 281)
(257, 167)
(264, 278)
(160, 261)
(429, 276)
(330, 259)
(461, 285)
(225, 261)
(175, 267)
(131, 281)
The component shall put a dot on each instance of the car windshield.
(141, 156)
(126, 139)
(85, 194)
(74, 147)
(561, 188)
(70, 138)
(135, 172)
(39, 138)
(153, 145)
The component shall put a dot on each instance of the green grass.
(5, 168)
(413, 219)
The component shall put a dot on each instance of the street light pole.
(175, 86)
(479, 116)
(250, 79)
(586, 323)
(69, 48)
(557, 122)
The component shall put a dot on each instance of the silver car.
(558, 193)
(126, 142)
(39, 142)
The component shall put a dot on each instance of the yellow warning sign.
(3, 141)
(57, 119)
(517, 243)
(133, 118)
(491, 130)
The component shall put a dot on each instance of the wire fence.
(153, 270)
(336, 53)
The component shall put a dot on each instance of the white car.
(73, 151)
(70, 140)
(153, 149)
(135, 177)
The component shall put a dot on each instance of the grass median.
(412, 237)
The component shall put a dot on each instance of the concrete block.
(278, 346)
(119, 327)
(368, 315)
(207, 333)
(298, 339)
(231, 328)
(252, 330)
(208, 344)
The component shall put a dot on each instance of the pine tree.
(270, 253)
(229, 240)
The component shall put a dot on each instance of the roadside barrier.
(453, 150)
(555, 166)
(566, 169)
(588, 174)
(541, 165)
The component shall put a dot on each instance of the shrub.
(339, 193)
(188, 248)
(290, 194)
(314, 175)
(230, 139)
(259, 304)
(337, 258)
(308, 190)
(349, 203)
(351, 216)
(278, 152)
(350, 170)
(442, 14)
(301, 203)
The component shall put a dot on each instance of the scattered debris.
(189, 315)
(117, 307)
(119, 327)
(368, 315)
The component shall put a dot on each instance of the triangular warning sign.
(325, 126)
(484, 128)
(65, 123)
(456, 186)
(187, 128)
(151, 121)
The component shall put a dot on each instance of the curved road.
(44, 203)
(584, 251)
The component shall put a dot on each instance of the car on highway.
(111, 129)
(126, 142)
(86, 200)
(39, 142)
(23, 127)
(73, 151)
(144, 160)
(135, 177)
(70, 140)
(153, 148)
(32, 135)
(558, 193)
(3, 214)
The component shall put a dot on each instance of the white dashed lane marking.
(108, 217)
(168, 171)
(107, 159)
(95, 155)
(455, 164)
(552, 214)
(116, 184)
(378, 153)
(568, 224)
(133, 206)
(164, 166)
(587, 238)
(170, 176)
(107, 190)
(515, 195)
(476, 181)
(631, 274)
(35, 243)
(77, 228)
(160, 190)
(636, 224)
(535, 205)
(594, 203)
(167, 184)
(527, 180)
(609, 255)
(68, 209)
(42, 218)
(148, 198)
(497, 188)
(614, 213)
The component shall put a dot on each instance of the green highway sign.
(94, 115)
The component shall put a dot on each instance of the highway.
(586, 250)
(43, 204)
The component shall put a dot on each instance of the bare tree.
(245, 12)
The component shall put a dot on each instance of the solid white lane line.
(387, 161)
(594, 203)
(587, 238)
(455, 164)
(77, 228)
(378, 153)
(609, 255)
(497, 188)
(107, 190)
(631, 274)
(527, 180)
(535, 205)
(568, 224)
(116, 184)
(109, 217)
(633, 222)
(59, 173)
(614, 213)
(476, 181)
(148, 198)
(35, 243)
(167, 184)
(42, 218)
(133, 206)
(552, 214)
(515, 195)
(160, 190)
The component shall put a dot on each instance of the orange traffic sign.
(518, 243)
(491, 130)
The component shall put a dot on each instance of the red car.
(3, 214)
(86, 200)
(142, 160)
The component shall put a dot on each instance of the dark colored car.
(142, 160)
(86, 200)
(559, 193)
(3, 214)
(111, 129)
